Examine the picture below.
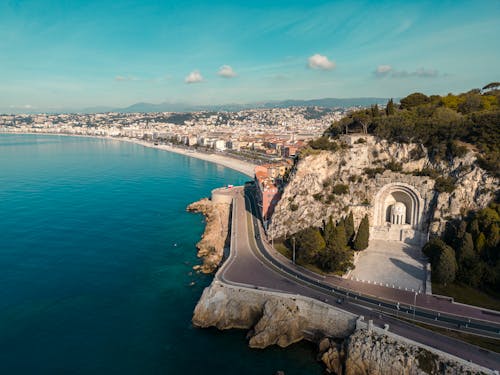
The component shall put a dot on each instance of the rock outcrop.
(345, 346)
(272, 318)
(363, 166)
(371, 353)
(211, 245)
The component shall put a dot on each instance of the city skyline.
(57, 56)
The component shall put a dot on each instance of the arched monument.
(397, 215)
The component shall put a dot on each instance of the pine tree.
(349, 228)
(309, 243)
(389, 109)
(361, 241)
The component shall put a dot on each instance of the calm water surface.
(96, 251)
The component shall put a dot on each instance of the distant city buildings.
(262, 135)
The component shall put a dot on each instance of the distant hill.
(231, 107)
(184, 107)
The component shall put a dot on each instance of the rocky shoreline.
(347, 345)
(212, 243)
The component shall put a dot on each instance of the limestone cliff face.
(309, 198)
(273, 318)
(211, 245)
(370, 353)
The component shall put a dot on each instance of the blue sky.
(76, 54)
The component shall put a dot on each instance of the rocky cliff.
(272, 318)
(347, 345)
(375, 353)
(328, 183)
(211, 245)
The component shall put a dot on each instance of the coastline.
(241, 166)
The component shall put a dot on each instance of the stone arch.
(403, 194)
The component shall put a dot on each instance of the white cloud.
(383, 70)
(125, 78)
(226, 71)
(387, 71)
(194, 77)
(318, 61)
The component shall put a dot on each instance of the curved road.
(251, 264)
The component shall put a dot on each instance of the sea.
(96, 257)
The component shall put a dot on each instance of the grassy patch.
(281, 248)
(469, 295)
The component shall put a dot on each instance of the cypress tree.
(349, 228)
(466, 248)
(480, 243)
(328, 232)
(361, 241)
(389, 109)
(339, 238)
(446, 267)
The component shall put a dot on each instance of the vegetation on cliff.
(469, 252)
(330, 248)
(444, 124)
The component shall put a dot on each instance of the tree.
(466, 248)
(328, 232)
(349, 228)
(309, 243)
(445, 269)
(414, 100)
(389, 108)
(361, 241)
(480, 243)
(337, 256)
(491, 86)
(433, 250)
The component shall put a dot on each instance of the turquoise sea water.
(96, 251)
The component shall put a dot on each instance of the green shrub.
(372, 172)
(394, 166)
(294, 206)
(340, 189)
(444, 184)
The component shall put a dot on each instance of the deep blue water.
(96, 251)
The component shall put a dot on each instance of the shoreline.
(241, 166)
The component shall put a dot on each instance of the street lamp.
(293, 257)
(414, 305)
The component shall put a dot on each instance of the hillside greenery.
(331, 247)
(469, 251)
(447, 125)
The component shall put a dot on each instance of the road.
(250, 263)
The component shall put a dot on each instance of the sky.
(86, 53)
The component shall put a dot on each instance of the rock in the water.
(280, 324)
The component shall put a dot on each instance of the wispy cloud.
(194, 77)
(226, 71)
(125, 78)
(320, 62)
(384, 71)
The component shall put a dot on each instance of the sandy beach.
(217, 158)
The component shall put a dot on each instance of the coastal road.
(248, 266)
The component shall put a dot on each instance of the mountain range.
(185, 107)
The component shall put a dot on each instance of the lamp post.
(293, 257)
(414, 305)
